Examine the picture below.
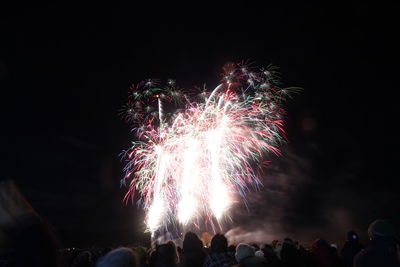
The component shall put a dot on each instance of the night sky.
(65, 70)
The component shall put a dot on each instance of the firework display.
(197, 151)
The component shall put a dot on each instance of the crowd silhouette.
(25, 240)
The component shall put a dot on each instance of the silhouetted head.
(23, 232)
(191, 242)
(120, 257)
(166, 254)
(288, 241)
(219, 244)
(320, 244)
(244, 251)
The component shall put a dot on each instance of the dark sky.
(65, 70)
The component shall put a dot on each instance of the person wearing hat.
(381, 250)
(350, 248)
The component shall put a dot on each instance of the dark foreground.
(25, 240)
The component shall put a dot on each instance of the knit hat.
(244, 251)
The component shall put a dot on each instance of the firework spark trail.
(194, 162)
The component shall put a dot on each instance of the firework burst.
(199, 152)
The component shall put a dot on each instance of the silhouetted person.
(270, 256)
(23, 234)
(381, 250)
(305, 256)
(120, 257)
(323, 256)
(350, 248)
(290, 256)
(165, 256)
(192, 251)
(245, 257)
(219, 253)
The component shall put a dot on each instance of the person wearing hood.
(381, 250)
(350, 248)
(193, 254)
(26, 239)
